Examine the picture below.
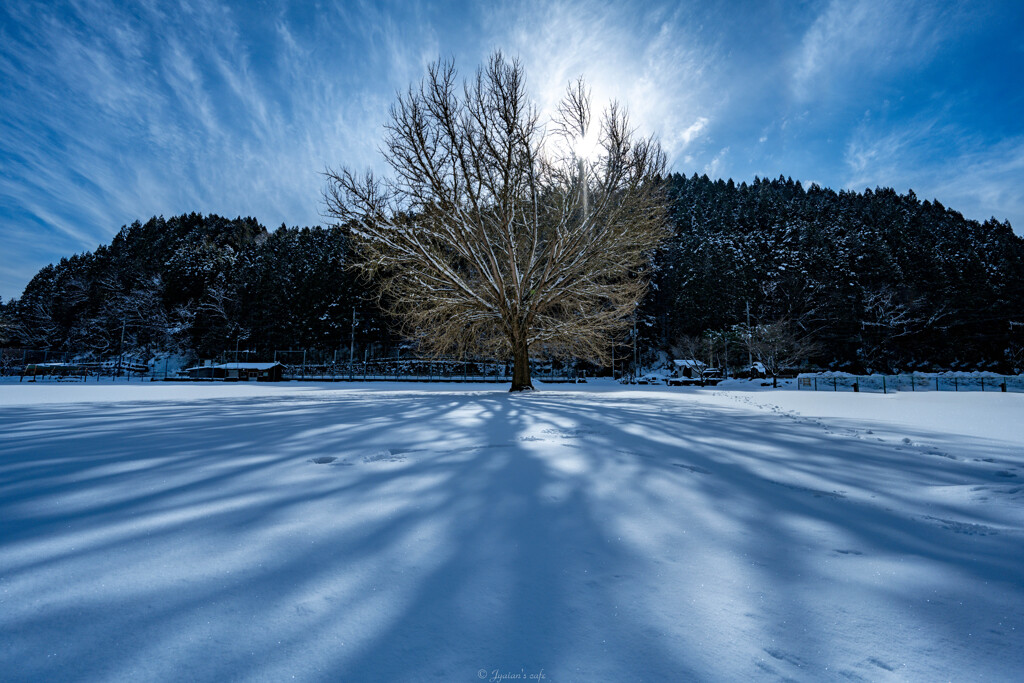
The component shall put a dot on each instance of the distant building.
(261, 372)
(688, 367)
(690, 371)
(238, 372)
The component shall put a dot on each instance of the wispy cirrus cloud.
(117, 111)
(650, 60)
(855, 40)
(980, 178)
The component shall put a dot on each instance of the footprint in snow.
(942, 455)
(572, 433)
(329, 460)
(785, 657)
(384, 456)
(965, 528)
(691, 468)
(880, 664)
(817, 493)
(847, 552)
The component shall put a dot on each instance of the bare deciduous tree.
(886, 319)
(699, 350)
(499, 234)
(778, 345)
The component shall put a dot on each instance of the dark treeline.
(881, 281)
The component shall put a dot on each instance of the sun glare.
(588, 147)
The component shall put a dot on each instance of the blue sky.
(113, 112)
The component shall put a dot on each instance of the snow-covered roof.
(247, 366)
(690, 363)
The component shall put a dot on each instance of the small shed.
(260, 372)
(688, 367)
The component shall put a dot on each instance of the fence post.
(955, 385)
(936, 382)
(815, 383)
(834, 386)
(883, 385)
(983, 385)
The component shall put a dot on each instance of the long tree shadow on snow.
(454, 533)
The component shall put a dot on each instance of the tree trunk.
(521, 367)
(775, 381)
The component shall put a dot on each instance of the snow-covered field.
(385, 532)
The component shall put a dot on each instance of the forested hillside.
(880, 280)
(199, 284)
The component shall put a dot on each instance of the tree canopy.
(499, 232)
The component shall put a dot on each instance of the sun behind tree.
(501, 235)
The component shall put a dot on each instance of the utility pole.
(352, 343)
(750, 355)
(120, 351)
(725, 366)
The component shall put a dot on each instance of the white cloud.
(648, 61)
(115, 114)
(851, 39)
(695, 129)
(980, 178)
(107, 126)
(715, 167)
